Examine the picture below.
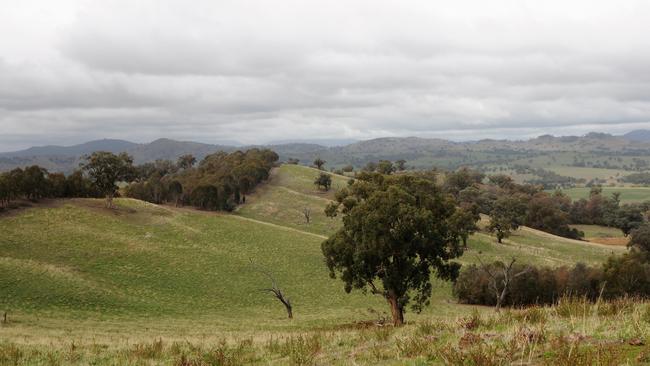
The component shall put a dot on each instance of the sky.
(260, 71)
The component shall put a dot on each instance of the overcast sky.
(257, 71)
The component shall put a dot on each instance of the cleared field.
(628, 194)
(597, 231)
(587, 173)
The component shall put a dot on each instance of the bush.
(538, 285)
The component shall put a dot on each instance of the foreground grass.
(572, 333)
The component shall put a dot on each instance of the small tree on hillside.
(348, 169)
(186, 161)
(385, 167)
(371, 166)
(306, 212)
(640, 238)
(323, 180)
(396, 234)
(464, 220)
(400, 165)
(506, 216)
(628, 218)
(319, 163)
(106, 169)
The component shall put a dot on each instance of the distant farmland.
(628, 194)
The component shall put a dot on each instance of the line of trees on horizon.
(219, 182)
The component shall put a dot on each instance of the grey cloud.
(254, 72)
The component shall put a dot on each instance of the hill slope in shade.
(114, 146)
(638, 135)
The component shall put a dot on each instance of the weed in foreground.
(10, 354)
(147, 350)
(566, 352)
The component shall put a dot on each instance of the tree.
(4, 191)
(506, 216)
(370, 167)
(400, 165)
(628, 218)
(175, 189)
(106, 170)
(502, 181)
(348, 169)
(549, 213)
(500, 278)
(186, 161)
(276, 290)
(462, 179)
(205, 197)
(464, 221)
(34, 182)
(396, 230)
(385, 167)
(323, 180)
(640, 238)
(319, 163)
(306, 212)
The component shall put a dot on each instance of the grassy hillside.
(113, 282)
(142, 259)
(291, 190)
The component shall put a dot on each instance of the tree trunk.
(396, 311)
(109, 201)
(289, 311)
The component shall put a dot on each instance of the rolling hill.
(74, 256)
(593, 156)
(638, 135)
(157, 284)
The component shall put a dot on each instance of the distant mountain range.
(638, 135)
(418, 152)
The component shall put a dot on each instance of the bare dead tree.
(307, 213)
(275, 289)
(500, 281)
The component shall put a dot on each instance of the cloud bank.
(257, 71)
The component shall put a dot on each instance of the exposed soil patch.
(610, 241)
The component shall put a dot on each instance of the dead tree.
(500, 281)
(307, 213)
(275, 290)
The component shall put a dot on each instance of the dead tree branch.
(275, 290)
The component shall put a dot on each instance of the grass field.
(602, 234)
(86, 285)
(628, 194)
(290, 191)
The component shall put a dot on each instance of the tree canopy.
(106, 169)
(396, 232)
